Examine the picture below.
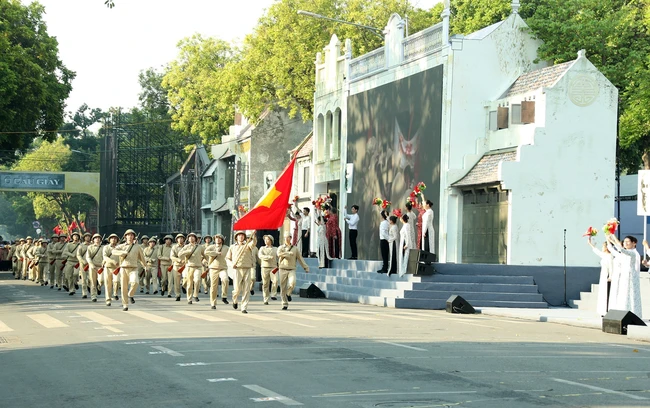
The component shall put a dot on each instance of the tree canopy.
(34, 83)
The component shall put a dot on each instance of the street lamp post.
(374, 30)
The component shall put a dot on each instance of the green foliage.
(34, 83)
(472, 15)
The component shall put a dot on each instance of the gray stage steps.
(358, 281)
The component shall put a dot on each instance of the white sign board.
(643, 193)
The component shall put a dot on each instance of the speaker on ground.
(456, 304)
(616, 321)
(309, 290)
(420, 262)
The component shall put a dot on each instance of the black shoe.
(155, 293)
(189, 302)
(213, 307)
(51, 287)
(65, 288)
(169, 296)
(289, 298)
(178, 299)
(59, 288)
(46, 283)
(132, 300)
(196, 299)
(99, 291)
(266, 303)
(84, 297)
(76, 287)
(94, 300)
(162, 293)
(225, 301)
(285, 307)
(125, 309)
(71, 294)
(274, 298)
(108, 303)
(244, 312)
(146, 293)
(116, 298)
(252, 292)
(142, 291)
(184, 290)
(234, 306)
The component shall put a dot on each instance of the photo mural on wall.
(394, 134)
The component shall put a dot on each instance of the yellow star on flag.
(268, 198)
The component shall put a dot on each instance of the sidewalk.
(564, 315)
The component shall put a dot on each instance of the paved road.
(58, 351)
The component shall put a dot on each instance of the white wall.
(566, 179)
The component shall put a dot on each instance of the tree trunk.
(646, 159)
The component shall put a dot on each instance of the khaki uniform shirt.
(243, 261)
(30, 252)
(81, 254)
(40, 254)
(70, 251)
(163, 253)
(217, 257)
(288, 255)
(131, 256)
(51, 256)
(150, 256)
(193, 253)
(176, 259)
(110, 260)
(58, 250)
(94, 255)
(268, 257)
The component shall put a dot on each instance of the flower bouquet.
(591, 232)
(397, 212)
(295, 199)
(611, 226)
(419, 188)
(385, 204)
(377, 201)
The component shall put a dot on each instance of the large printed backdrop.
(394, 142)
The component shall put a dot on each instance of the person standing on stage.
(428, 230)
(131, 256)
(407, 242)
(393, 240)
(333, 232)
(94, 260)
(306, 227)
(193, 254)
(240, 257)
(353, 224)
(70, 273)
(384, 228)
(151, 260)
(268, 256)
(111, 262)
(164, 257)
(297, 222)
(413, 222)
(177, 263)
(605, 281)
(288, 256)
(218, 268)
(322, 247)
(629, 261)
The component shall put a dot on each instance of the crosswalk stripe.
(5, 328)
(259, 317)
(401, 316)
(302, 316)
(97, 318)
(202, 316)
(345, 315)
(47, 321)
(151, 317)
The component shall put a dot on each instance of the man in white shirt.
(305, 226)
(353, 222)
(384, 228)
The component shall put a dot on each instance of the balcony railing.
(422, 43)
(367, 63)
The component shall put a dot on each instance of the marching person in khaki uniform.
(82, 269)
(71, 275)
(30, 256)
(163, 253)
(218, 268)
(193, 253)
(151, 274)
(51, 259)
(111, 262)
(58, 251)
(240, 257)
(94, 260)
(40, 261)
(142, 272)
(207, 241)
(178, 264)
(19, 260)
(23, 255)
(287, 257)
(253, 273)
(268, 256)
(131, 256)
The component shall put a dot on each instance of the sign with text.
(32, 181)
(643, 193)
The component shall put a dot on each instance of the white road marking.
(300, 324)
(630, 347)
(168, 351)
(400, 316)
(605, 390)
(113, 329)
(365, 394)
(5, 328)
(346, 315)
(151, 317)
(302, 316)
(401, 345)
(214, 380)
(279, 361)
(47, 321)
(461, 321)
(274, 396)
(96, 317)
(259, 317)
(202, 316)
(117, 335)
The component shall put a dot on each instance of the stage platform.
(480, 285)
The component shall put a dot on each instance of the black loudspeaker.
(5, 265)
(311, 291)
(456, 304)
(420, 262)
(616, 321)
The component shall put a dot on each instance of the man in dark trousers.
(353, 223)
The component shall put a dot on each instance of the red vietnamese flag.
(270, 211)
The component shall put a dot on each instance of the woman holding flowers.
(407, 242)
(322, 250)
(428, 230)
(605, 281)
(393, 236)
(333, 232)
(628, 261)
